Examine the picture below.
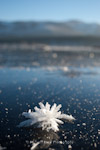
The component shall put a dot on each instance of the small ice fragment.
(95, 145)
(8, 136)
(60, 142)
(19, 88)
(84, 124)
(69, 147)
(99, 132)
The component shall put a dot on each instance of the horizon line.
(50, 20)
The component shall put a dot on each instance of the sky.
(50, 10)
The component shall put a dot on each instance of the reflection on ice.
(43, 139)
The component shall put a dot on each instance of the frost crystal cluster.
(46, 116)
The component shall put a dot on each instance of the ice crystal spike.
(46, 116)
(34, 145)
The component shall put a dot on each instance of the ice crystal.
(34, 145)
(46, 116)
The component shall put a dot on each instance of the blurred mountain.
(48, 29)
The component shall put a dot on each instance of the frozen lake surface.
(70, 79)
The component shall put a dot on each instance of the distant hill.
(48, 29)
